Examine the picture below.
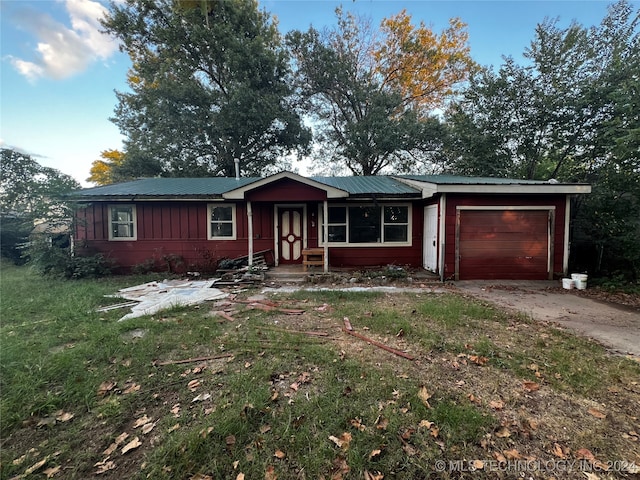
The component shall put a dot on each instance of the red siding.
(484, 270)
(286, 190)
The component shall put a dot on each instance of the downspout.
(325, 235)
(441, 233)
(250, 230)
(567, 227)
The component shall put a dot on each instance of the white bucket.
(568, 283)
(580, 280)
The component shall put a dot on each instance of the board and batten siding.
(166, 229)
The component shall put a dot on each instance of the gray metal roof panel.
(380, 185)
(167, 187)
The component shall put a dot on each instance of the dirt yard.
(588, 312)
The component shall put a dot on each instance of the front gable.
(274, 188)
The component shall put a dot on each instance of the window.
(222, 225)
(122, 222)
(369, 224)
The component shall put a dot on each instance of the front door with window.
(290, 235)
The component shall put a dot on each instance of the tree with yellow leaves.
(372, 92)
(102, 171)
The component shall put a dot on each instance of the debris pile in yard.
(149, 298)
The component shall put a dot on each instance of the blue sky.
(58, 73)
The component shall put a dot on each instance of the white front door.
(431, 238)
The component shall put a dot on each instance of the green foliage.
(55, 261)
(569, 113)
(369, 104)
(29, 194)
(207, 87)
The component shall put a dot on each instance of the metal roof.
(167, 187)
(378, 185)
(398, 185)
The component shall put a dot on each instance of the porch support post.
(250, 231)
(325, 235)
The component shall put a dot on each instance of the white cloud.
(64, 51)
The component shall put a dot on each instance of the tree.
(29, 193)
(571, 113)
(103, 171)
(208, 86)
(371, 99)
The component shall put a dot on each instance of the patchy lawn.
(275, 393)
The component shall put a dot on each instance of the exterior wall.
(286, 190)
(455, 200)
(174, 231)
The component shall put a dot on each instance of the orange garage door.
(503, 244)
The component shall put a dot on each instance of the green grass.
(282, 390)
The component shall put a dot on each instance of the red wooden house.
(457, 227)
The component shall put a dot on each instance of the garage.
(504, 243)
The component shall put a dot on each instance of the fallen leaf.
(478, 359)
(270, 473)
(342, 442)
(477, 464)
(201, 476)
(240, 476)
(62, 416)
(174, 428)
(133, 444)
(193, 385)
(558, 451)
(499, 457)
(104, 466)
(202, 397)
(357, 423)
(373, 476)
(279, 454)
(425, 424)
(141, 421)
(596, 413)
(176, 410)
(382, 423)
(503, 432)
(340, 468)
(434, 431)
(265, 428)
(230, 440)
(530, 386)
(51, 471)
(496, 404)
(375, 453)
(121, 438)
(424, 395)
(134, 387)
(106, 387)
(591, 476)
(112, 448)
(36, 466)
(206, 431)
(512, 454)
(409, 450)
(148, 427)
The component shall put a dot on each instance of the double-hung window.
(369, 224)
(122, 222)
(222, 222)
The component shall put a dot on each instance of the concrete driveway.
(616, 327)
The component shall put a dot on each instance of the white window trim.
(134, 221)
(381, 244)
(234, 219)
